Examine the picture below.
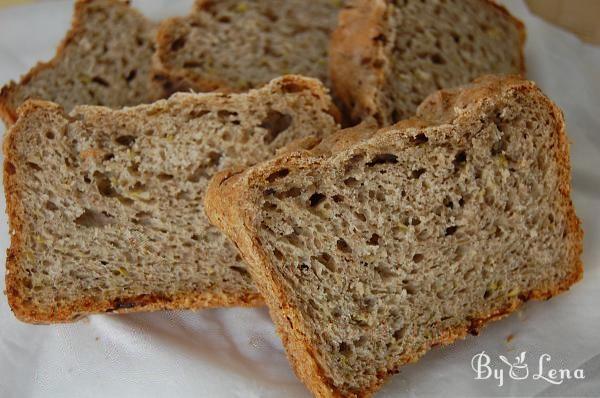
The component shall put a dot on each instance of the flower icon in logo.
(517, 370)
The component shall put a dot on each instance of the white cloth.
(235, 352)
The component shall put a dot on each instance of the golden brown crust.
(8, 109)
(356, 43)
(354, 40)
(229, 206)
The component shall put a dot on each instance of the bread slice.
(105, 59)
(105, 206)
(386, 56)
(235, 45)
(375, 246)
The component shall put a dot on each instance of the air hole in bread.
(420, 139)
(275, 123)
(178, 44)
(353, 161)
(327, 261)
(142, 218)
(344, 348)
(50, 135)
(51, 206)
(165, 177)
(278, 174)
(383, 158)
(455, 36)
(104, 185)
(31, 165)
(240, 270)
(460, 159)
(292, 87)
(99, 80)
(417, 173)
(451, 230)
(448, 202)
(196, 174)
(303, 267)
(278, 254)
(293, 192)
(315, 199)
(131, 75)
(399, 333)
(418, 257)
(373, 240)
(94, 219)
(499, 147)
(342, 246)
(125, 201)
(269, 206)
(226, 115)
(125, 140)
(350, 181)
(214, 158)
(197, 113)
(384, 272)
(337, 198)
(293, 240)
(360, 216)
(438, 59)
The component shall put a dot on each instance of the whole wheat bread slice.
(235, 45)
(386, 56)
(105, 59)
(105, 206)
(377, 245)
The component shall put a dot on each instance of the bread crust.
(8, 110)
(357, 37)
(229, 206)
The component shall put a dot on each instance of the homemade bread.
(105, 59)
(387, 56)
(235, 45)
(377, 245)
(105, 206)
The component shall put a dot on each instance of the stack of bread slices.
(377, 172)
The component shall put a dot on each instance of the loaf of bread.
(387, 56)
(105, 206)
(105, 59)
(235, 45)
(375, 246)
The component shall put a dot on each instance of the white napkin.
(236, 353)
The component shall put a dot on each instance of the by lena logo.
(519, 369)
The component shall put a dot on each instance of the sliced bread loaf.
(105, 59)
(375, 246)
(105, 206)
(387, 56)
(235, 45)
